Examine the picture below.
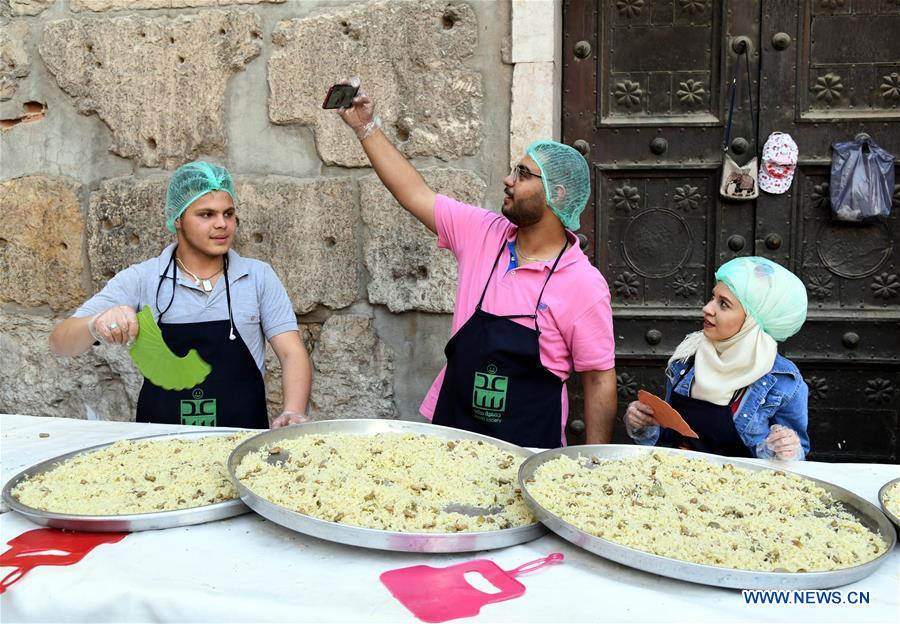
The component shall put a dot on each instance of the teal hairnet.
(772, 295)
(192, 181)
(563, 166)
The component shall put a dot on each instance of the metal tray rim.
(377, 538)
(881, 492)
(697, 572)
(123, 522)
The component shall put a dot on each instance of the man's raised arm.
(399, 177)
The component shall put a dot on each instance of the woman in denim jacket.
(728, 381)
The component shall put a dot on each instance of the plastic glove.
(287, 418)
(638, 417)
(118, 325)
(782, 443)
(361, 116)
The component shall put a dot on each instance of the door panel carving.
(837, 395)
(658, 233)
(660, 63)
(849, 64)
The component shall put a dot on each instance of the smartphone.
(340, 96)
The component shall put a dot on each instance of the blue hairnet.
(563, 166)
(192, 181)
(772, 295)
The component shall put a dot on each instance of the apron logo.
(489, 395)
(198, 412)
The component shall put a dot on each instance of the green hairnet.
(192, 181)
(772, 295)
(562, 166)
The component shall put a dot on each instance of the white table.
(249, 569)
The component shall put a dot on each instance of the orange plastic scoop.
(666, 415)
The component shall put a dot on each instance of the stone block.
(306, 230)
(531, 118)
(29, 7)
(158, 83)
(534, 28)
(125, 225)
(408, 271)
(15, 62)
(130, 5)
(303, 228)
(410, 57)
(353, 371)
(41, 230)
(101, 383)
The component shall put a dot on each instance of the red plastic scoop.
(441, 594)
(49, 547)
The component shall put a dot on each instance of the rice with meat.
(693, 510)
(136, 476)
(891, 499)
(391, 481)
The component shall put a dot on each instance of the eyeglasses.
(522, 172)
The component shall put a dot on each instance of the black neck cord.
(231, 334)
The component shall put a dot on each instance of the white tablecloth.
(250, 569)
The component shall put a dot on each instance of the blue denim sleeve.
(794, 413)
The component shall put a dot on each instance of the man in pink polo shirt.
(530, 308)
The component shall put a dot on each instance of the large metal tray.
(375, 538)
(887, 512)
(125, 522)
(865, 512)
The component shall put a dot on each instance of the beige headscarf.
(721, 367)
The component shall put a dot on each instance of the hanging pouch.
(862, 181)
(739, 182)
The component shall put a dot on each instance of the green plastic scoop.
(157, 362)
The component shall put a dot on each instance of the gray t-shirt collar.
(237, 267)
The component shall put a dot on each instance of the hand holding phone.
(357, 110)
(340, 96)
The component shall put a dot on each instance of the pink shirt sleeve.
(460, 226)
(592, 340)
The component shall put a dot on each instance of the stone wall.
(101, 99)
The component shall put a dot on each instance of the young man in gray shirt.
(204, 297)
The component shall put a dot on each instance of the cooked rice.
(391, 481)
(891, 499)
(131, 477)
(693, 510)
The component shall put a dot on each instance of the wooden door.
(645, 87)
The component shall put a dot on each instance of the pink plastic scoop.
(441, 594)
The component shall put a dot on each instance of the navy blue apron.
(495, 383)
(233, 395)
(713, 423)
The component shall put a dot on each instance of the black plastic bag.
(862, 180)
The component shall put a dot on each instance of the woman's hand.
(784, 442)
(639, 416)
(118, 325)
